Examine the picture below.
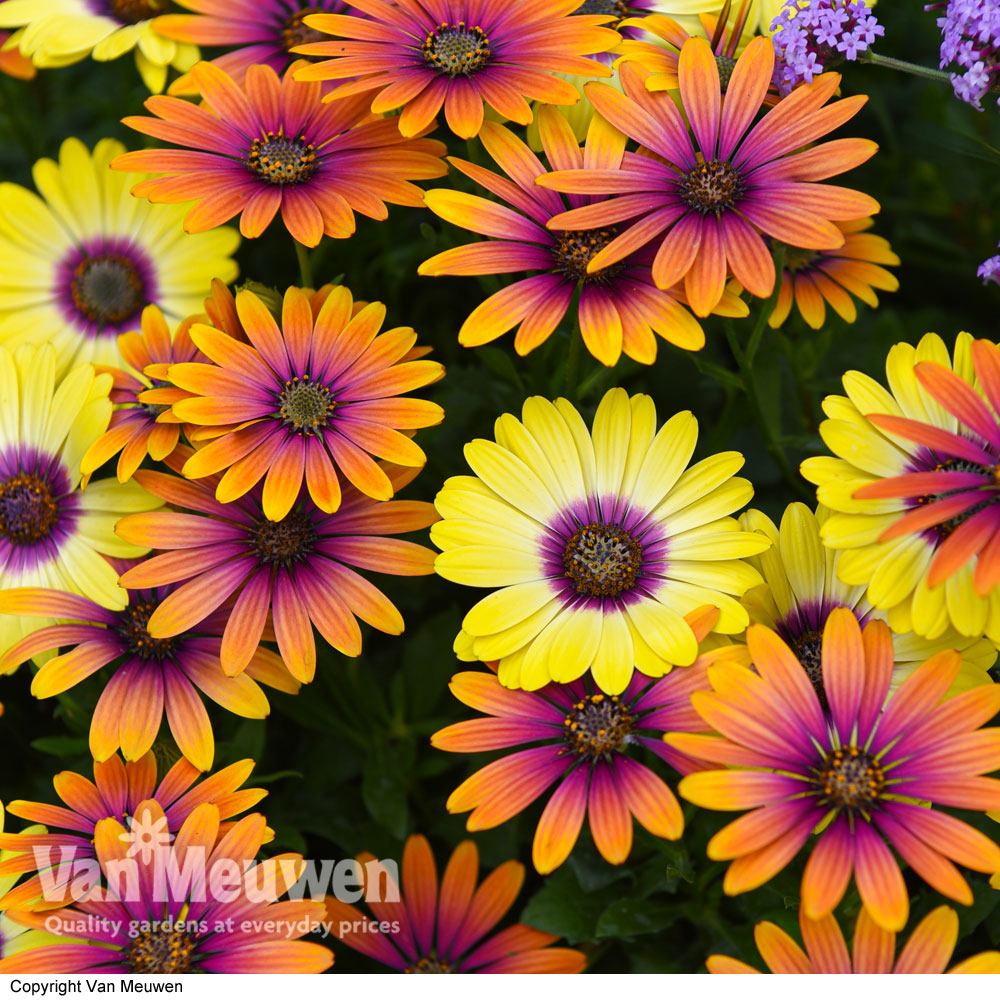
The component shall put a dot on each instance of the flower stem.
(904, 67)
(572, 363)
(770, 433)
(305, 265)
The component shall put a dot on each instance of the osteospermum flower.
(314, 398)
(581, 740)
(153, 677)
(868, 773)
(422, 55)
(619, 308)
(927, 952)
(80, 265)
(266, 31)
(707, 204)
(116, 792)
(600, 543)
(60, 32)
(915, 487)
(52, 533)
(140, 427)
(271, 145)
(298, 567)
(801, 588)
(811, 279)
(441, 930)
(661, 57)
(176, 925)
(989, 270)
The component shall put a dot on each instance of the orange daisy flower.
(926, 952)
(709, 202)
(855, 770)
(442, 930)
(619, 308)
(115, 792)
(272, 145)
(661, 59)
(813, 278)
(314, 399)
(141, 425)
(300, 569)
(422, 55)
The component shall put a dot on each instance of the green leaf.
(60, 746)
(629, 917)
(383, 785)
(562, 907)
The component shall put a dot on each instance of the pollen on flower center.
(28, 511)
(161, 952)
(617, 8)
(457, 49)
(296, 33)
(808, 647)
(429, 965)
(575, 250)
(283, 542)
(602, 560)
(711, 188)
(598, 725)
(133, 628)
(107, 288)
(725, 65)
(281, 159)
(851, 779)
(305, 405)
(134, 11)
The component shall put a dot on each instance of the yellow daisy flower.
(914, 486)
(79, 263)
(52, 533)
(801, 588)
(600, 542)
(55, 33)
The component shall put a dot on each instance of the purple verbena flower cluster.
(970, 31)
(812, 36)
(989, 270)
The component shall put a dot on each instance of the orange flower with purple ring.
(855, 772)
(927, 951)
(175, 926)
(582, 740)
(155, 678)
(422, 55)
(620, 309)
(271, 145)
(317, 399)
(709, 203)
(140, 425)
(115, 792)
(298, 568)
(441, 930)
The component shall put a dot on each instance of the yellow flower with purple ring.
(599, 542)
